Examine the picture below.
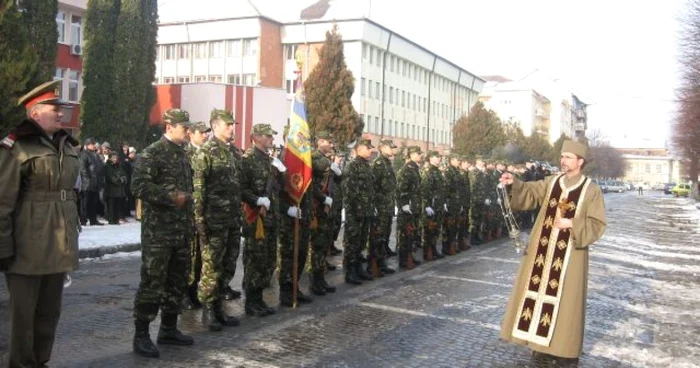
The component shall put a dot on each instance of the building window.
(200, 78)
(199, 50)
(401, 132)
(658, 169)
(291, 86)
(216, 49)
(249, 79)
(391, 95)
(183, 79)
(169, 53)
(250, 47)
(75, 27)
(183, 51)
(377, 89)
(234, 79)
(362, 87)
(369, 89)
(403, 68)
(365, 51)
(380, 58)
(647, 168)
(371, 55)
(215, 78)
(73, 83)
(391, 63)
(289, 51)
(233, 48)
(61, 23)
(168, 80)
(403, 99)
(60, 73)
(414, 102)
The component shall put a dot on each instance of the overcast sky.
(620, 56)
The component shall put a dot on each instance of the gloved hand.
(279, 165)
(264, 202)
(406, 209)
(429, 211)
(336, 169)
(5, 263)
(461, 209)
(498, 201)
(328, 201)
(294, 212)
(445, 207)
(487, 202)
(376, 213)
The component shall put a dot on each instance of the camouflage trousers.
(379, 234)
(477, 217)
(259, 258)
(230, 272)
(286, 248)
(356, 233)
(463, 225)
(431, 230)
(407, 228)
(165, 263)
(320, 242)
(337, 223)
(450, 230)
(220, 252)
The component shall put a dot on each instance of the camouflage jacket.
(433, 189)
(260, 179)
(160, 171)
(217, 194)
(465, 189)
(321, 181)
(477, 181)
(384, 184)
(453, 190)
(191, 152)
(408, 188)
(358, 178)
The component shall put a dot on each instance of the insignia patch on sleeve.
(8, 141)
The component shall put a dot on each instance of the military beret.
(264, 129)
(177, 116)
(323, 134)
(365, 142)
(45, 93)
(414, 149)
(200, 126)
(387, 142)
(433, 154)
(222, 115)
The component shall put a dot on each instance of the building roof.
(495, 78)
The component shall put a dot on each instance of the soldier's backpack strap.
(9, 141)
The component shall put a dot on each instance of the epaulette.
(9, 141)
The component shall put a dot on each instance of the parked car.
(681, 190)
(658, 186)
(616, 186)
(668, 187)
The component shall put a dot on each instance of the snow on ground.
(110, 235)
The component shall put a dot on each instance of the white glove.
(445, 207)
(294, 212)
(336, 169)
(278, 164)
(376, 213)
(429, 211)
(498, 201)
(406, 208)
(487, 202)
(328, 201)
(264, 201)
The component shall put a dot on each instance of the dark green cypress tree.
(39, 16)
(328, 89)
(97, 108)
(18, 63)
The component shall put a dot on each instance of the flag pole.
(295, 262)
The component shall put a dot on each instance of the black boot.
(316, 286)
(475, 240)
(385, 268)
(223, 318)
(286, 296)
(191, 301)
(329, 288)
(209, 318)
(303, 299)
(351, 275)
(389, 252)
(335, 251)
(142, 341)
(168, 334)
(230, 294)
(361, 273)
(254, 305)
(330, 267)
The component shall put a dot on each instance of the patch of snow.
(109, 235)
(118, 255)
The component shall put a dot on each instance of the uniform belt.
(63, 195)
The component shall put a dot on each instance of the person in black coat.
(115, 188)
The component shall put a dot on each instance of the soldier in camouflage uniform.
(433, 194)
(499, 222)
(324, 172)
(216, 209)
(197, 136)
(454, 207)
(162, 179)
(230, 270)
(493, 212)
(384, 199)
(258, 190)
(465, 198)
(479, 201)
(359, 210)
(408, 200)
(337, 207)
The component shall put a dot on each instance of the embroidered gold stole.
(539, 307)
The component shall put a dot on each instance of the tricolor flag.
(297, 151)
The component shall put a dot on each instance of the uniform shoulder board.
(9, 141)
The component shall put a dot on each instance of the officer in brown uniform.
(38, 223)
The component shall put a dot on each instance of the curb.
(110, 249)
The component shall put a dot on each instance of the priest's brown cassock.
(547, 307)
